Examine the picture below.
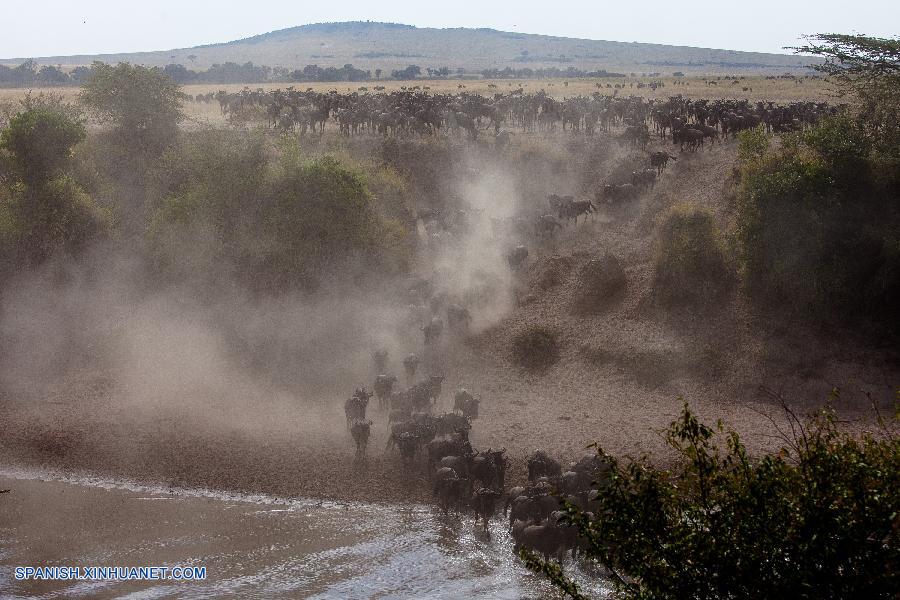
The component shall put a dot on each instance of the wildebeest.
(484, 501)
(659, 160)
(643, 178)
(465, 403)
(422, 395)
(355, 407)
(360, 431)
(546, 225)
(451, 423)
(576, 208)
(410, 364)
(449, 489)
(612, 193)
(384, 385)
(541, 465)
(457, 445)
(489, 467)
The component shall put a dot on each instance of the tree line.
(29, 73)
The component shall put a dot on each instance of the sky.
(63, 27)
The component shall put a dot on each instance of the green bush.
(277, 218)
(40, 143)
(690, 261)
(818, 226)
(817, 520)
(142, 104)
(43, 210)
(535, 347)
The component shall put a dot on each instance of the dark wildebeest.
(451, 423)
(613, 194)
(458, 445)
(517, 257)
(360, 431)
(449, 489)
(546, 225)
(355, 407)
(410, 364)
(408, 444)
(484, 501)
(643, 178)
(424, 394)
(541, 465)
(659, 160)
(465, 404)
(489, 467)
(433, 330)
(543, 539)
(384, 385)
(575, 209)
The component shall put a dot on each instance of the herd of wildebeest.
(688, 123)
(462, 477)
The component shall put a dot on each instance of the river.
(253, 546)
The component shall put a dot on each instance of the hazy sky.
(62, 27)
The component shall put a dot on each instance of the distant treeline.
(30, 73)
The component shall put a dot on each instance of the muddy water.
(252, 546)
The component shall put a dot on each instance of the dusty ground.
(620, 379)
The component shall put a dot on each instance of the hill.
(387, 46)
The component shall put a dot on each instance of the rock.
(601, 281)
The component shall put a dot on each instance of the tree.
(45, 210)
(40, 142)
(867, 68)
(819, 519)
(144, 105)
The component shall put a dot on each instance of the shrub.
(52, 217)
(600, 281)
(276, 225)
(40, 143)
(142, 103)
(535, 347)
(818, 226)
(690, 261)
(43, 210)
(819, 519)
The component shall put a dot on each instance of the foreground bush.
(818, 520)
(690, 261)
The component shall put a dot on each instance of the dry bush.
(691, 266)
(601, 281)
(535, 347)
